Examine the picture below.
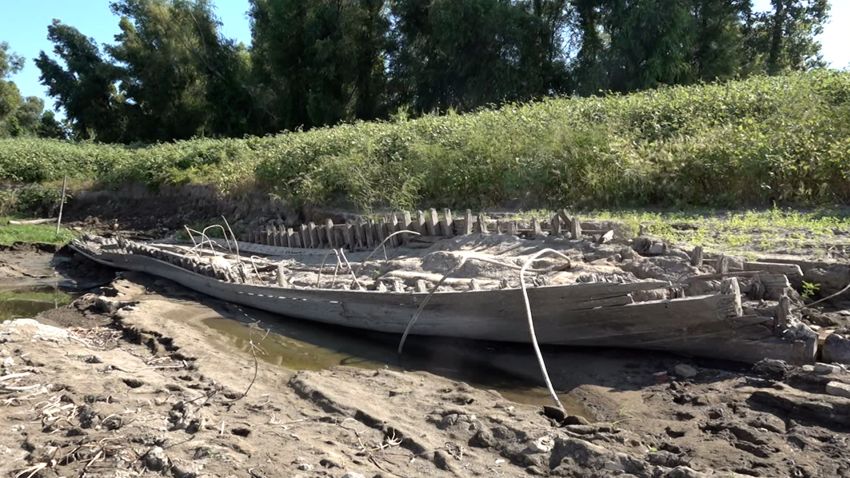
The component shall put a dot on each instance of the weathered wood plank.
(468, 225)
(447, 224)
(482, 223)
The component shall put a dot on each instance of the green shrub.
(759, 141)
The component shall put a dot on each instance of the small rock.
(543, 444)
(836, 348)
(683, 472)
(554, 413)
(575, 420)
(775, 369)
(826, 368)
(808, 368)
(685, 371)
(482, 439)
(352, 474)
(839, 389)
(155, 459)
(305, 466)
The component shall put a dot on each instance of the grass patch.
(54, 297)
(32, 233)
(812, 232)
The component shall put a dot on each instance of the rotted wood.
(575, 227)
(348, 234)
(468, 225)
(315, 237)
(431, 226)
(407, 224)
(305, 236)
(329, 227)
(446, 224)
(420, 223)
(730, 286)
(369, 229)
(696, 256)
(357, 233)
(482, 223)
(721, 265)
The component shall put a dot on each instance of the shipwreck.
(475, 278)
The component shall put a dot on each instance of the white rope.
(531, 332)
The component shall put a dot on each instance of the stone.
(543, 444)
(826, 368)
(554, 413)
(685, 371)
(683, 472)
(575, 420)
(156, 459)
(352, 474)
(773, 368)
(483, 439)
(839, 389)
(836, 348)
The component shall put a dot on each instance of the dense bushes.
(780, 139)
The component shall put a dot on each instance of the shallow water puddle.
(303, 345)
(30, 301)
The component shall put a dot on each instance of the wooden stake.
(61, 203)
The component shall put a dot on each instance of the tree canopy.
(171, 74)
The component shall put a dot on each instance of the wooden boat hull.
(594, 314)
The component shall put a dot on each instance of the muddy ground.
(137, 378)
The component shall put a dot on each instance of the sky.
(23, 24)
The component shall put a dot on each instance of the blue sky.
(23, 25)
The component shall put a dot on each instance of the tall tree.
(10, 96)
(320, 62)
(651, 42)
(85, 87)
(163, 49)
(719, 34)
(468, 54)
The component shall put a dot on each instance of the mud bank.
(135, 383)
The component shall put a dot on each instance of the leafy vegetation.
(761, 141)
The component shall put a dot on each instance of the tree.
(181, 78)
(719, 34)
(85, 87)
(50, 127)
(651, 43)
(10, 96)
(464, 55)
(319, 62)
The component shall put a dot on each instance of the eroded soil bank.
(143, 378)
